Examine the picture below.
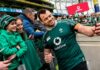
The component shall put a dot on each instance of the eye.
(49, 15)
(45, 18)
(13, 23)
(18, 25)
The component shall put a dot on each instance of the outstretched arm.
(86, 30)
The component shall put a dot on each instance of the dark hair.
(18, 18)
(42, 11)
(28, 10)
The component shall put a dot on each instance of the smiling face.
(11, 27)
(47, 19)
(19, 24)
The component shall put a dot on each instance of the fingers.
(6, 65)
(6, 61)
(97, 29)
(98, 34)
(98, 24)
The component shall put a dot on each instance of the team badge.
(57, 41)
(60, 30)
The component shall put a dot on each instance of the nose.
(49, 18)
(15, 25)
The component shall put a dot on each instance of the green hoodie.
(8, 43)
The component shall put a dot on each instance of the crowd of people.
(85, 19)
(31, 41)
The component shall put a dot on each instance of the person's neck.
(49, 28)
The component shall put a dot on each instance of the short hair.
(42, 11)
(28, 10)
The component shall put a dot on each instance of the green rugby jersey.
(62, 39)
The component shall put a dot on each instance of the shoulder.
(66, 21)
(24, 18)
(3, 32)
(25, 21)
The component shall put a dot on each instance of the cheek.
(18, 28)
(32, 17)
(22, 27)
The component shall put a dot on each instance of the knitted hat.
(5, 20)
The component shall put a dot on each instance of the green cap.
(5, 20)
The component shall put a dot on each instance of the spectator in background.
(28, 17)
(2, 13)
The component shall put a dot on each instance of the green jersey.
(62, 39)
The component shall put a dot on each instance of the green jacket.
(8, 43)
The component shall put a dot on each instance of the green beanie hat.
(5, 20)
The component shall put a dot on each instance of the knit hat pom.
(5, 20)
